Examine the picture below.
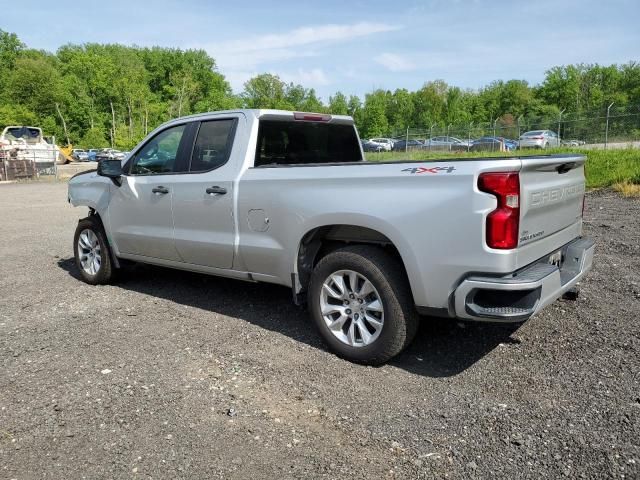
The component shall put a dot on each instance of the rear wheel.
(361, 303)
(92, 252)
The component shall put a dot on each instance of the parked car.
(101, 154)
(511, 144)
(91, 154)
(446, 143)
(385, 143)
(410, 145)
(492, 144)
(287, 198)
(79, 155)
(573, 143)
(539, 139)
(109, 154)
(369, 146)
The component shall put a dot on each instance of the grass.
(605, 168)
(627, 189)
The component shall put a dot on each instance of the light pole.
(406, 142)
(519, 131)
(606, 130)
(431, 134)
(494, 132)
(469, 137)
(560, 123)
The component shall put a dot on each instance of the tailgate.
(551, 194)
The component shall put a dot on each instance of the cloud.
(248, 53)
(308, 36)
(395, 63)
(240, 59)
(237, 78)
(315, 77)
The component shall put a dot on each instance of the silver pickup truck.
(287, 198)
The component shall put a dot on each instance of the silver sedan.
(539, 139)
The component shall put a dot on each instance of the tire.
(91, 241)
(546, 145)
(390, 286)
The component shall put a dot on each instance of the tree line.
(97, 95)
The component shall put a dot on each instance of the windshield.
(28, 134)
(282, 142)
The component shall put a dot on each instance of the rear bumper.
(519, 295)
(531, 143)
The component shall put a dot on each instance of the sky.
(351, 46)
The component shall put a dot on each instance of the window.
(159, 154)
(291, 143)
(213, 145)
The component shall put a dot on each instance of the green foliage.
(374, 119)
(94, 137)
(16, 115)
(10, 48)
(106, 94)
(269, 91)
(607, 167)
(114, 95)
(338, 104)
(34, 83)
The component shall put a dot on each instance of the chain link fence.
(23, 161)
(611, 128)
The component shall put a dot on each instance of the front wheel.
(360, 300)
(92, 252)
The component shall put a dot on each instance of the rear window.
(533, 134)
(293, 143)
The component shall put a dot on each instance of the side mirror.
(111, 169)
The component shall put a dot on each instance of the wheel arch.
(94, 215)
(321, 240)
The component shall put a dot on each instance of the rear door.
(551, 195)
(203, 197)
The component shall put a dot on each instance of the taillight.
(504, 222)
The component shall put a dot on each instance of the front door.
(140, 209)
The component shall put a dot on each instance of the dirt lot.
(169, 374)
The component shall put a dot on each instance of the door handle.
(160, 189)
(216, 190)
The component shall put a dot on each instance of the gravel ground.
(171, 374)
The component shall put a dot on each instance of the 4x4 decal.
(448, 169)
